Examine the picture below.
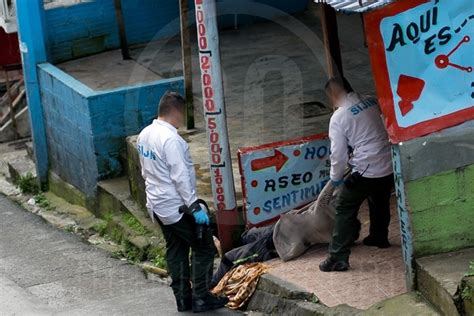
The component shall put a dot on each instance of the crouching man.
(170, 183)
(357, 124)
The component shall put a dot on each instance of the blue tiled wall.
(120, 113)
(90, 27)
(81, 29)
(68, 130)
(86, 129)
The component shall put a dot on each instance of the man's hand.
(337, 183)
(201, 217)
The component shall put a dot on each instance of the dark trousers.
(356, 189)
(180, 239)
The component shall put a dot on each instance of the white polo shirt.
(358, 123)
(168, 171)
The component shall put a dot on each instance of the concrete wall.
(90, 27)
(438, 172)
(86, 129)
(122, 112)
(81, 29)
(68, 128)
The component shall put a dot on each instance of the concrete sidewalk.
(46, 271)
(375, 274)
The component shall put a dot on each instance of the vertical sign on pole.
(404, 216)
(215, 120)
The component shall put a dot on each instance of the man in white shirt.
(358, 137)
(170, 185)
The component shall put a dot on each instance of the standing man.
(170, 185)
(356, 128)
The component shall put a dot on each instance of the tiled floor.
(375, 274)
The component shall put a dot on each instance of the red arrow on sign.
(277, 161)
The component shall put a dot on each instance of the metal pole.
(121, 28)
(228, 218)
(187, 63)
(331, 40)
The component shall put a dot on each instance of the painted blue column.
(31, 32)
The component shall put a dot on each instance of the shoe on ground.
(208, 302)
(374, 242)
(185, 304)
(331, 264)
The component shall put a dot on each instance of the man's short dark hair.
(339, 82)
(171, 101)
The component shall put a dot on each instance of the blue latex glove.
(337, 183)
(201, 217)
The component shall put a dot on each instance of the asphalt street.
(47, 271)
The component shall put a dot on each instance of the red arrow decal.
(277, 161)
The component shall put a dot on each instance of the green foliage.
(131, 252)
(116, 235)
(157, 256)
(70, 228)
(42, 201)
(100, 228)
(470, 272)
(466, 293)
(134, 224)
(160, 262)
(28, 184)
(314, 299)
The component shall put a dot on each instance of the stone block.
(66, 191)
(439, 278)
(439, 152)
(137, 184)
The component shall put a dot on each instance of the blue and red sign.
(422, 58)
(279, 177)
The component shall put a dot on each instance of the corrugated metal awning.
(355, 6)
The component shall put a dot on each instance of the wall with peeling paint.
(438, 172)
(442, 211)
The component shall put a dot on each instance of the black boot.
(331, 264)
(376, 242)
(185, 304)
(208, 302)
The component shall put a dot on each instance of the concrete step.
(123, 220)
(114, 196)
(127, 222)
(20, 167)
(30, 150)
(277, 297)
(66, 191)
(83, 218)
(440, 280)
(409, 304)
